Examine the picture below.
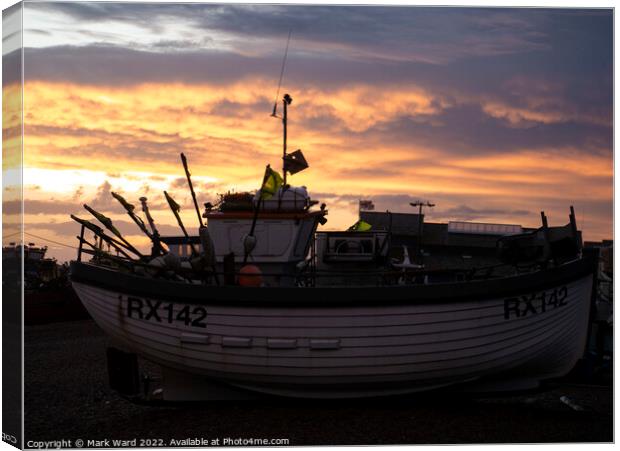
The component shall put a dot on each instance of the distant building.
(456, 244)
(404, 224)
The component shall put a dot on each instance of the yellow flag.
(360, 226)
(273, 181)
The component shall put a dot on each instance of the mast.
(286, 101)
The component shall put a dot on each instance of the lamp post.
(420, 204)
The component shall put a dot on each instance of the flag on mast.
(271, 184)
(295, 162)
(360, 226)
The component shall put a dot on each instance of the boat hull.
(327, 343)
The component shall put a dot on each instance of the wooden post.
(419, 241)
(544, 221)
(284, 123)
(593, 254)
(545, 227)
(574, 231)
(79, 256)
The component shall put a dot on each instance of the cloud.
(466, 129)
(423, 34)
(424, 141)
(12, 68)
(126, 227)
(104, 198)
(78, 193)
(489, 113)
(512, 91)
(467, 213)
(40, 207)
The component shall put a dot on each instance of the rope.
(49, 240)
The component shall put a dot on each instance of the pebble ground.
(67, 397)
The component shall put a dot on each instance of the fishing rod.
(249, 242)
(191, 188)
(208, 256)
(175, 210)
(107, 222)
(99, 253)
(98, 231)
(129, 208)
(155, 237)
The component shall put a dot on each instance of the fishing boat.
(48, 296)
(262, 301)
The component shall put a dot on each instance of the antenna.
(275, 103)
(420, 204)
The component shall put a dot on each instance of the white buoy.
(249, 243)
(208, 248)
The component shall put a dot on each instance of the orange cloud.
(78, 137)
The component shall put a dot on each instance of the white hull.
(344, 351)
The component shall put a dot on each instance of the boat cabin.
(281, 236)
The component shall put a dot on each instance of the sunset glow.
(476, 121)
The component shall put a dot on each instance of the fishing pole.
(130, 211)
(205, 237)
(99, 253)
(249, 241)
(107, 222)
(191, 188)
(175, 210)
(155, 237)
(98, 231)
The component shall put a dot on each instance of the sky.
(491, 114)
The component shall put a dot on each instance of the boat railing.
(382, 276)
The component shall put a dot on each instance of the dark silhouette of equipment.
(420, 204)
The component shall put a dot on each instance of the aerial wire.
(288, 41)
(49, 240)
